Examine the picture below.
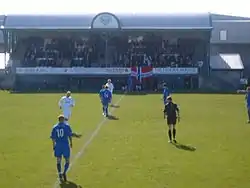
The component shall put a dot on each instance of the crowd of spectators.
(57, 52)
(68, 52)
(161, 54)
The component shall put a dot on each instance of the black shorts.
(171, 120)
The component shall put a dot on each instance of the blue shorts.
(105, 104)
(62, 151)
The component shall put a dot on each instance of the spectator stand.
(69, 50)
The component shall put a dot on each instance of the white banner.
(98, 71)
(178, 70)
(73, 70)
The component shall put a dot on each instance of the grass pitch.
(130, 152)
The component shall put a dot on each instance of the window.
(223, 35)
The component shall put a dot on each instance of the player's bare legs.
(111, 104)
(66, 167)
(170, 133)
(174, 134)
(59, 168)
(172, 137)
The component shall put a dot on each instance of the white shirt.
(110, 87)
(66, 103)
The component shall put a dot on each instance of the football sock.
(169, 134)
(58, 165)
(174, 133)
(106, 110)
(66, 167)
(103, 109)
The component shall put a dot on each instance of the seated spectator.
(139, 51)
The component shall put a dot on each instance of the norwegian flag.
(141, 72)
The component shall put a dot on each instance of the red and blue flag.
(141, 73)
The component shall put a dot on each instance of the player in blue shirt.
(166, 93)
(61, 136)
(247, 98)
(100, 95)
(248, 102)
(105, 96)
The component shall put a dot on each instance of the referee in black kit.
(171, 113)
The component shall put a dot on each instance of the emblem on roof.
(105, 21)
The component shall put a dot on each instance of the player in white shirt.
(65, 104)
(110, 88)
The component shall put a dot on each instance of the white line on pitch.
(86, 144)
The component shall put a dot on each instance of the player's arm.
(76, 135)
(164, 111)
(60, 103)
(72, 134)
(100, 95)
(178, 112)
(110, 96)
(53, 143)
(53, 138)
(70, 141)
(163, 95)
(73, 103)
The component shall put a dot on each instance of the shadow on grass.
(70, 185)
(184, 147)
(111, 117)
(114, 106)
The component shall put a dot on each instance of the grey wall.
(1, 37)
(238, 31)
(1, 42)
(2, 20)
(227, 48)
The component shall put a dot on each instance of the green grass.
(131, 152)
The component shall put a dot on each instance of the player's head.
(169, 99)
(109, 80)
(164, 85)
(68, 94)
(248, 88)
(61, 118)
(103, 86)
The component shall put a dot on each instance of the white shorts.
(67, 114)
